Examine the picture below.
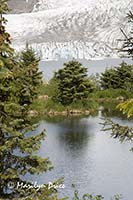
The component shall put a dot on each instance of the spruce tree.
(127, 46)
(127, 106)
(73, 83)
(17, 145)
(107, 79)
(120, 77)
(125, 76)
(124, 133)
(32, 77)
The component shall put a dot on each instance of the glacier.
(71, 29)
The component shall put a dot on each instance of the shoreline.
(74, 111)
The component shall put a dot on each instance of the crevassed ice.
(51, 4)
(69, 28)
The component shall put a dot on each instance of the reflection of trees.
(109, 112)
(74, 133)
(53, 118)
(94, 113)
(48, 118)
(109, 109)
(59, 118)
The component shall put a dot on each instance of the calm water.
(86, 156)
(81, 152)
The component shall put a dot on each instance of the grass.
(92, 103)
(45, 106)
(111, 93)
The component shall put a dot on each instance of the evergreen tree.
(127, 46)
(127, 107)
(118, 77)
(73, 83)
(16, 146)
(32, 77)
(107, 79)
(95, 79)
(125, 76)
(126, 73)
(5, 50)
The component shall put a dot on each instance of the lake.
(86, 156)
(82, 153)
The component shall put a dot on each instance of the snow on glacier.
(71, 28)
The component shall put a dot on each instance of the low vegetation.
(72, 89)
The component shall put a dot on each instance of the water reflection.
(85, 156)
(110, 109)
(75, 133)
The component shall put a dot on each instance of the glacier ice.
(71, 28)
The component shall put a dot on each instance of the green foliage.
(111, 93)
(18, 80)
(44, 106)
(3, 7)
(50, 88)
(86, 197)
(118, 77)
(73, 83)
(127, 46)
(31, 76)
(95, 79)
(126, 107)
(5, 50)
(92, 197)
(117, 130)
(125, 72)
(84, 105)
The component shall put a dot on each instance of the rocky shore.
(72, 112)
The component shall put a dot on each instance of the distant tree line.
(72, 83)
